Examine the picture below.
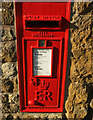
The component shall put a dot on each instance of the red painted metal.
(36, 22)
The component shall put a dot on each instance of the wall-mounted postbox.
(42, 45)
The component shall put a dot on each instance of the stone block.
(5, 98)
(9, 78)
(9, 51)
(80, 111)
(9, 86)
(14, 108)
(6, 108)
(76, 104)
(8, 34)
(14, 98)
(8, 70)
(7, 13)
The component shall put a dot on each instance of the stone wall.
(79, 102)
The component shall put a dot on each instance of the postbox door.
(42, 71)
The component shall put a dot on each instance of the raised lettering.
(43, 95)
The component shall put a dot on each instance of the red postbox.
(42, 45)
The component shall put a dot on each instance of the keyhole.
(41, 43)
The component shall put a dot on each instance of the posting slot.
(43, 23)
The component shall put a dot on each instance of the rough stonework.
(81, 73)
(7, 13)
(76, 103)
(91, 104)
(8, 33)
(79, 102)
(8, 51)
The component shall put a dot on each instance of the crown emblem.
(43, 85)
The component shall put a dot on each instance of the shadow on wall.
(67, 82)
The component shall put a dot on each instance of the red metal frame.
(23, 35)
